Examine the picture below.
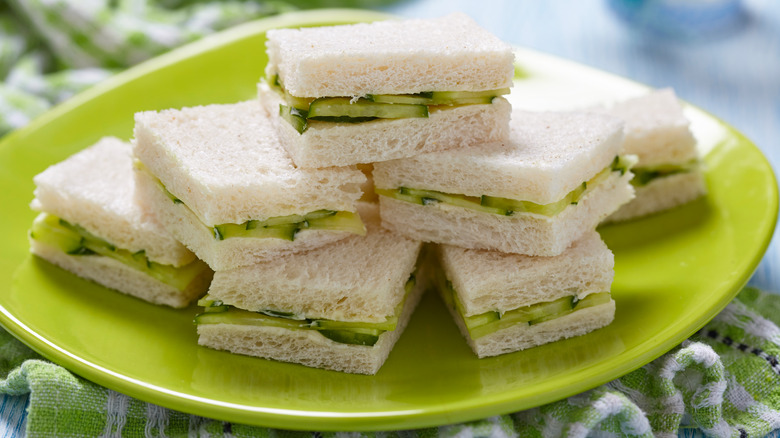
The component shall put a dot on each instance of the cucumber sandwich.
(90, 224)
(340, 307)
(373, 92)
(668, 172)
(558, 177)
(509, 302)
(221, 183)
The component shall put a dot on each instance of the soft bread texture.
(450, 53)
(495, 281)
(523, 233)
(548, 155)
(522, 336)
(340, 144)
(305, 346)
(95, 189)
(662, 194)
(229, 253)
(226, 164)
(118, 276)
(355, 279)
(656, 130)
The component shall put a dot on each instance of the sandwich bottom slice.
(662, 193)
(331, 345)
(76, 250)
(508, 302)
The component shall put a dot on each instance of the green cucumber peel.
(506, 206)
(74, 240)
(298, 111)
(645, 175)
(345, 332)
(490, 322)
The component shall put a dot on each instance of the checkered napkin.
(724, 381)
(52, 49)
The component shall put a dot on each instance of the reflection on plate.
(674, 271)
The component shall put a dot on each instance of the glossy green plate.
(674, 271)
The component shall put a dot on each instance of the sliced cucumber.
(411, 99)
(244, 317)
(339, 221)
(491, 322)
(286, 227)
(365, 337)
(595, 299)
(441, 97)
(249, 229)
(506, 206)
(345, 332)
(295, 117)
(64, 235)
(46, 228)
(346, 107)
(644, 175)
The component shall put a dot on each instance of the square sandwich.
(372, 92)
(509, 302)
(90, 224)
(668, 172)
(340, 307)
(557, 178)
(220, 182)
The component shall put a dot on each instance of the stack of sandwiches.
(516, 223)
(368, 146)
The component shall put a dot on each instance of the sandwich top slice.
(558, 177)
(220, 182)
(376, 91)
(340, 307)
(509, 302)
(668, 172)
(91, 224)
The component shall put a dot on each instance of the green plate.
(674, 271)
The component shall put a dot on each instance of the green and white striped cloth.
(52, 49)
(724, 381)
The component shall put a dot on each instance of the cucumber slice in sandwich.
(76, 241)
(279, 227)
(297, 111)
(344, 332)
(506, 206)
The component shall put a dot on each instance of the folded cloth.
(724, 381)
(52, 49)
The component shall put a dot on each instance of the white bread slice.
(662, 194)
(523, 233)
(226, 164)
(305, 346)
(230, 253)
(95, 189)
(118, 276)
(355, 279)
(493, 281)
(450, 53)
(549, 154)
(340, 144)
(656, 129)
(521, 336)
